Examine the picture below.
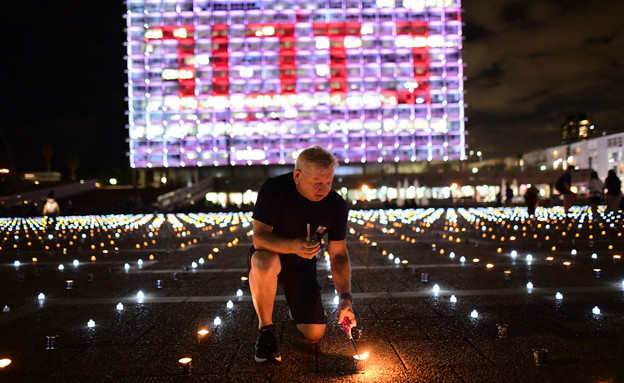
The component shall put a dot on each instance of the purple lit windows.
(241, 82)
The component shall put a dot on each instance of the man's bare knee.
(265, 262)
(312, 332)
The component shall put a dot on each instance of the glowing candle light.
(489, 266)
(514, 254)
(573, 252)
(4, 362)
(435, 288)
(185, 366)
(474, 314)
(390, 256)
(558, 296)
(529, 258)
(529, 285)
(127, 266)
(594, 256)
(397, 260)
(140, 262)
(201, 261)
(462, 259)
(360, 362)
(6, 309)
(452, 255)
(202, 335)
(61, 267)
(16, 263)
(76, 263)
(120, 306)
(217, 321)
(597, 273)
(91, 323)
(140, 295)
(453, 299)
(567, 264)
(229, 304)
(41, 296)
(596, 310)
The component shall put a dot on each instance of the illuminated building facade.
(252, 82)
(577, 128)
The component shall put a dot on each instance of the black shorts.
(302, 291)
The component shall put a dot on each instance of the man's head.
(314, 173)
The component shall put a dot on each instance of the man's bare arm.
(265, 239)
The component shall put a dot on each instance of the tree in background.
(72, 163)
(48, 151)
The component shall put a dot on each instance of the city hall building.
(218, 84)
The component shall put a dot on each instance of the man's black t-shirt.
(280, 205)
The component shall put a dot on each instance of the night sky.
(529, 64)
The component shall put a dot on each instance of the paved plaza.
(441, 295)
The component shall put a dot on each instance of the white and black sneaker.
(266, 346)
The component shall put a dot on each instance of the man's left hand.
(344, 311)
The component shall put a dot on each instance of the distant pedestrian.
(614, 191)
(508, 195)
(596, 189)
(531, 199)
(51, 207)
(563, 186)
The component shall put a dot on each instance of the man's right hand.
(306, 249)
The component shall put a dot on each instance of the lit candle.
(474, 314)
(435, 289)
(360, 363)
(558, 296)
(41, 296)
(453, 299)
(185, 366)
(529, 285)
(596, 310)
(76, 263)
(69, 284)
(217, 321)
(239, 293)
(4, 362)
(91, 323)
(244, 281)
(229, 304)
(120, 306)
(202, 336)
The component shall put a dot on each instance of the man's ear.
(296, 175)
